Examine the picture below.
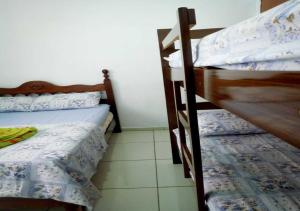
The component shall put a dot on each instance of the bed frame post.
(111, 100)
(187, 18)
(169, 94)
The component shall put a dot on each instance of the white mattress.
(269, 41)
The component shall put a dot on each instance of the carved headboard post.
(111, 99)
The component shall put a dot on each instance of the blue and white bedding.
(269, 41)
(96, 115)
(57, 163)
(246, 170)
(250, 172)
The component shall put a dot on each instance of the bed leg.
(111, 101)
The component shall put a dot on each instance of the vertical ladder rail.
(186, 18)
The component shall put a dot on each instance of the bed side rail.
(268, 99)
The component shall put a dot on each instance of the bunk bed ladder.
(169, 94)
(184, 116)
(188, 122)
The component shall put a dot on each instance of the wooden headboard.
(40, 87)
(268, 4)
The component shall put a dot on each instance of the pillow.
(65, 101)
(221, 122)
(17, 103)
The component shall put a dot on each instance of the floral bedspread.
(251, 172)
(269, 41)
(57, 163)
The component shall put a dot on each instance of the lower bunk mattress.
(59, 161)
(269, 41)
(250, 172)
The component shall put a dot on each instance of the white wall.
(69, 41)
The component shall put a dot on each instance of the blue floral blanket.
(269, 41)
(251, 172)
(57, 163)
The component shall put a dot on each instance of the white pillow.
(17, 103)
(66, 101)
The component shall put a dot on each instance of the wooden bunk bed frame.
(267, 99)
(40, 87)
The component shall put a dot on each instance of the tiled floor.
(137, 174)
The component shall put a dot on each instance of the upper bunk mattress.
(269, 41)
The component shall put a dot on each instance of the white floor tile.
(163, 150)
(161, 135)
(128, 200)
(171, 175)
(126, 174)
(178, 199)
(129, 151)
(131, 137)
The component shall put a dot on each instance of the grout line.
(132, 142)
(127, 188)
(163, 159)
(144, 128)
(108, 161)
(155, 187)
(192, 186)
(156, 173)
(135, 142)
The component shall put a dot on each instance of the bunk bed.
(266, 98)
(63, 135)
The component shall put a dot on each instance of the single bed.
(54, 167)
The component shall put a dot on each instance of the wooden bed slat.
(268, 99)
(171, 38)
(269, 4)
(188, 157)
(200, 33)
(174, 34)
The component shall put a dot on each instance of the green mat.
(9, 136)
